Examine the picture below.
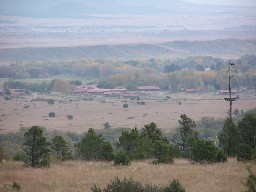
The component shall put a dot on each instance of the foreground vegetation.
(83, 175)
(236, 139)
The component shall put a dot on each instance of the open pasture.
(93, 111)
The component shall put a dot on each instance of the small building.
(226, 92)
(97, 90)
(148, 88)
(192, 90)
(17, 92)
(80, 89)
(112, 93)
(131, 95)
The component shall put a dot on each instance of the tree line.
(174, 75)
(236, 139)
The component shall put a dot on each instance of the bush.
(94, 147)
(245, 152)
(221, 156)
(204, 151)
(50, 101)
(107, 125)
(142, 103)
(251, 181)
(20, 156)
(70, 117)
(122, 158)
(3, 154)
(51, 114)
(16, 186)
(162, 152)
(125, 106)
(127, 185)
(174, 186)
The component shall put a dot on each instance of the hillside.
(218, 48)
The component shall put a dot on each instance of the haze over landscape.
(102, 90)
(86, 24)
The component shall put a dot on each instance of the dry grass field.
(81, 175)
(23, 112)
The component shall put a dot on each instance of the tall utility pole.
(230, 99)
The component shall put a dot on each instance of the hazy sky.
(225, 2)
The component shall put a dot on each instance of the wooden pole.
(229, 88)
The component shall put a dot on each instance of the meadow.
(81, 176)
(92, 111)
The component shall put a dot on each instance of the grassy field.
(81, 175)
(24, 112)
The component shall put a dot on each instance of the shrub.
(16, 186)
(221, 156)
(96, 189)
(174, 186)
(204, 151)
(122, 158)
(107, 125)
(3, 154)
(70, 117)
(162, 152)
(20, 156)
(51, 114)
(94, 147)
(142, 103)
(251, 181)
(125, 106)
(50, 101)
(127, 185)
(7, 98)
(245, 152)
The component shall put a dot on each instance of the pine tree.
(229, 138)
(36, 147)
(185, 135)
(61, 148)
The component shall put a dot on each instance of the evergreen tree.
(247, 146)
(174, 186)
(247, 128)
(152, 132)
(94, 147)
(205, 151)
(229, 138)
(185, 135)
(61, 148)
(36, 147)
(132, 144)
(162, 152)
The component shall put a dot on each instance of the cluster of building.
(14, 92)
(118, 91)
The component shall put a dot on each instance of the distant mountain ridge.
(74, 8)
